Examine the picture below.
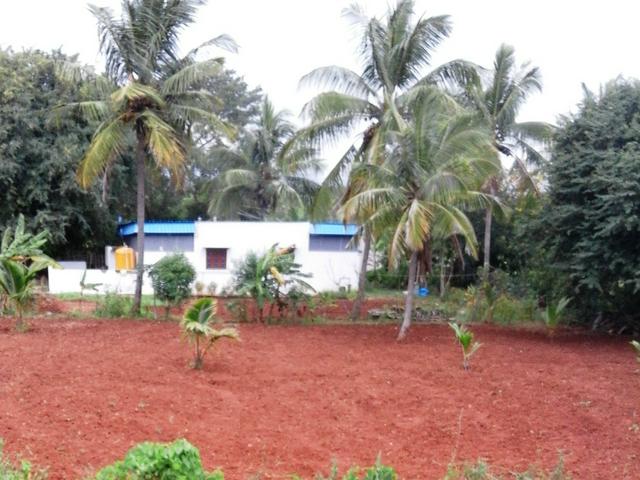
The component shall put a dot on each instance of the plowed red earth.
(77, 394)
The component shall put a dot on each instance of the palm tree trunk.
(362, 277)
(488, 220)
(408, 304)
(140, 177)
(443, 276)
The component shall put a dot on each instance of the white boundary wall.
(330, 269)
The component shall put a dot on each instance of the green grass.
(147, 300)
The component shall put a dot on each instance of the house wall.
(330, 269)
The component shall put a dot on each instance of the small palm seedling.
(553, 314)
(636, 346)
(197, 326)
(84, 285)
(467, 343)
(16, 284)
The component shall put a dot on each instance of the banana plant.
(22, 246)
(636, 346)
(269, 277)
(553, 314)
(469, 346)
(197, 326)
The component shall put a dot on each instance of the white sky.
(281, 40)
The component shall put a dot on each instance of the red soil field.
(77, 394)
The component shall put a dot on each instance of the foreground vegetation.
(181, 460)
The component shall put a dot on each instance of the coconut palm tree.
(151, 98)
(432, 172)
(267, 173)
(394, 52)
(497, 101)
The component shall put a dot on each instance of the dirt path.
(77, 394)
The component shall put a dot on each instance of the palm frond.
(190, 76)
(109, 141)
(338, 79)
(223, 41)
(165, 146)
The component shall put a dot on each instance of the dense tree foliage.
(40, 153)
(39, 156)
(593, 215)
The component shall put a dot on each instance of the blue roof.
(333, 229)
(158, 228)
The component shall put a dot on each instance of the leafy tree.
(498, 102)
(152, 102)
(197, 326)
(266, 174)
(269, 278)
(592, 220)
(430, 175)
(395, 52)
(172, 277)
(39, 156)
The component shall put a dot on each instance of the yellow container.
(125, 259)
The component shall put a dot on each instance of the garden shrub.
(509, 310)
(159, 461)
(172, 277)
(492, 304)
(114, 305)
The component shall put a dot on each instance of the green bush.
(114, 305)
(510, 310)
(158, 461)
(9, 471)
(492, 304)
(172, 277)
(388, 279)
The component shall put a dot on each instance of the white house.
(214, 248)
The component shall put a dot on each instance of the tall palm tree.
(497, 101)
(151, 99)
(433, 171)
(395, 51)
(267, 174)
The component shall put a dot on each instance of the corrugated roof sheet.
(159, 228)
(333, 229)
(188, 228)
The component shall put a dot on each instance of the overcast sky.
(572, 42)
